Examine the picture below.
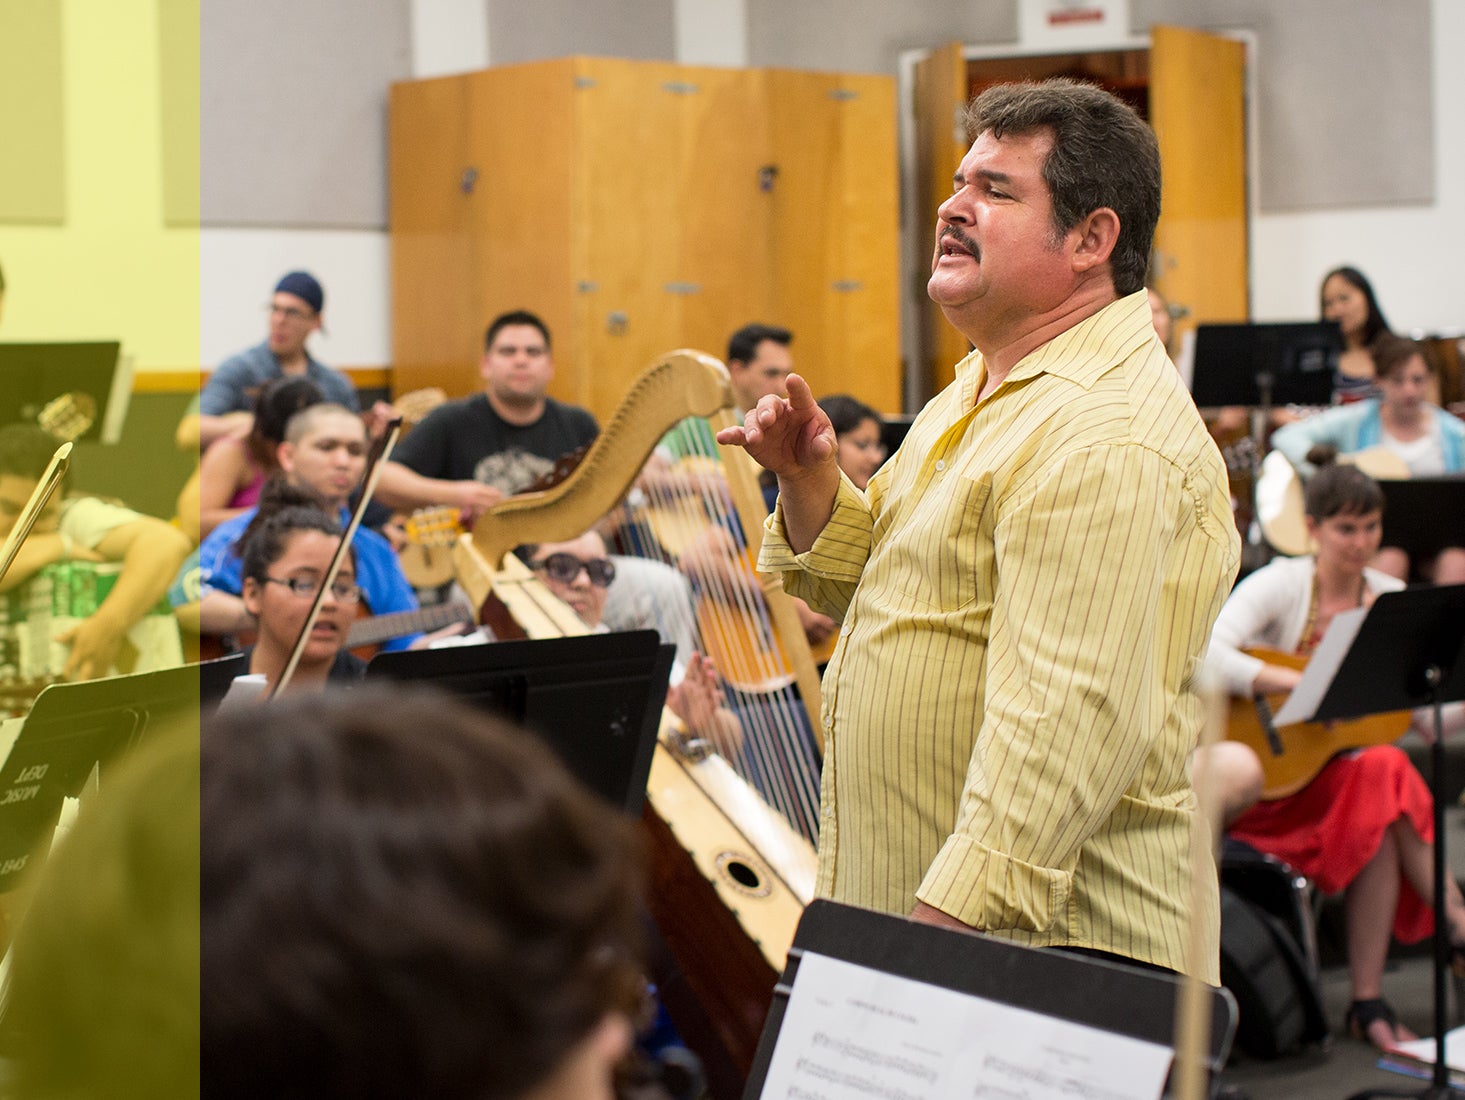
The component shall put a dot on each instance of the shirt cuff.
(992, 890)
(830, 557)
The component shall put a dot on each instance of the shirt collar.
(1081, 354)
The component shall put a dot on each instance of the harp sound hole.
(743, 874)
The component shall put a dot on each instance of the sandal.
(1362, 1015)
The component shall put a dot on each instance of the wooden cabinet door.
(1198, 110)
(835, 232)
(521, 143)
(431, 255)
(941, 142)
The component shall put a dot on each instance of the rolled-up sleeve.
(825, 576)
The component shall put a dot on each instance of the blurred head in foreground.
(399, 896)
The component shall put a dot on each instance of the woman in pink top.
(234, 468)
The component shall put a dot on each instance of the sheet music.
(243, 691)
(1302, 704)
(851, 1032)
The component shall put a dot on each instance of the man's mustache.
(963, 240)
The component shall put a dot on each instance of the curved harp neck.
(683, 383)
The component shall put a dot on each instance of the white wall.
(1412, 255)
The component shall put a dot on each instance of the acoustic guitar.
(1280, 507)
(1291, 756)
(427, 557)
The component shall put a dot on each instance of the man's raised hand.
(790, 436)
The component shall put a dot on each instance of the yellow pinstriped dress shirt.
(1027, 590)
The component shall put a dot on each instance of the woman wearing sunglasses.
(285, 558)
(580, 573)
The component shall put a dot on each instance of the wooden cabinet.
(640, 207)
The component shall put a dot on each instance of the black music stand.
(71, 729)
(1262, 365)
(1407, 653)
(1098, 994)
(1423, 515)
(33, 374)
(595, 699)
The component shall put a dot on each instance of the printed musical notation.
(853, 1032)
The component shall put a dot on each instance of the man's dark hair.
(1104, 155)
(1374, 325)
(392, 914)
(515, 317)
(1391, 352)
(276, 404)
(743, 344)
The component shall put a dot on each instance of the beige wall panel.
(32, 122)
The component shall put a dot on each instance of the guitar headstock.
(67, 418)
(433, 526)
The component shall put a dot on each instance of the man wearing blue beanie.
(295, 313)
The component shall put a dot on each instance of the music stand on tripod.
(1406, 653)
(1259, 366)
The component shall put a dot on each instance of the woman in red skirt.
(1363, 826)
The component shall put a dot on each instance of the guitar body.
(1306, 746)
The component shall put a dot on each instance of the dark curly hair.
(403, 897)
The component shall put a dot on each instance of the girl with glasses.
(285, 558)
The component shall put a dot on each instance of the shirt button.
(940, 464)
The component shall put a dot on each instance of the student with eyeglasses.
(285, 558)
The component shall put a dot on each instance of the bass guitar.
(1291, 756)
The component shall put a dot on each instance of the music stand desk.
(1423, 515)
(71, 729)
(596, 699)
(1120, 1000)
(1288, 363)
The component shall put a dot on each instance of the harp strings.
(688, 519)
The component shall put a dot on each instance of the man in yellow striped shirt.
(1028, 586)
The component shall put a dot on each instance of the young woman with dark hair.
(286, 555)
(1363, 826)
(233, 471)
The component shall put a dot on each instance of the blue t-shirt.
(378, 572)
(233, 384)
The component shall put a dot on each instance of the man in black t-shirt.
(471, 453)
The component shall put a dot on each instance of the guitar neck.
(381, 628)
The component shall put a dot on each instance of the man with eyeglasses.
(580, 573)
(324, 453)
(295, 312)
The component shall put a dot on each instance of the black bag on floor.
(1278, 1001)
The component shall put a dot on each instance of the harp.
(729, 875)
